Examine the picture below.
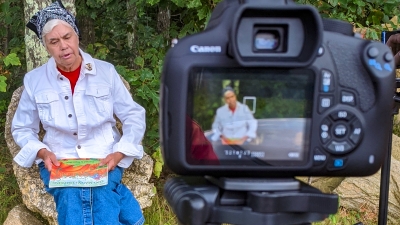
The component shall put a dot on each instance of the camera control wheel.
(340, 132)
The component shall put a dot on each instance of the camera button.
(388, 57)
(319, 158)
(339, 147)
(340, 131)
(337, 164)
(342, 115)
(324, 131)
(325, 103)
(327, 84)
(373, 52)
(348, 98)
(356, 131)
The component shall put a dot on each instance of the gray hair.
(226, 89)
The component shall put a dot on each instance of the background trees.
(135, 35)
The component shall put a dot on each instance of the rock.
(396, 146)
(34, 196)
(363, 193)
(20, 215)
(324, 184)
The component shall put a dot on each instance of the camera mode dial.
(340, 132)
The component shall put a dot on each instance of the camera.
(320, 97)
(270, 91)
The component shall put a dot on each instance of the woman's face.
(63, 44)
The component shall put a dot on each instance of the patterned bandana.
(54, 11)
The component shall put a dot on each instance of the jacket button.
(66, 97)
(75, 133)
(79, 147)
(69, 115)
(61, 78)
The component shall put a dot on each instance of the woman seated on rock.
(75, 97)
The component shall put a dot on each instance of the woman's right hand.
(49, 158)
(394, 44)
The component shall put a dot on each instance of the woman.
(75, 97)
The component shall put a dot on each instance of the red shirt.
(72, 76)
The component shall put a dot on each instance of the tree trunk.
(36, 54)
(131, 34)
(86, 29)
(4, 40)
(164, 21)
(70, 6)
(132, 21)
(85, 24)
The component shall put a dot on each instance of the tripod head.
(211, 201)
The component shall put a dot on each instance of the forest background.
(135, 35)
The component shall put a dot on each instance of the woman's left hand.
(112, 160)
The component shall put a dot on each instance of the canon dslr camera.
(320, 98)
(270, 91)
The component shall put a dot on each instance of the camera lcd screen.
(248, 116)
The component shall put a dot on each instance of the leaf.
(12, 59)
(139, 61)
(203, 13)
(157, 156)
(179, 3)
(157, 169)
(333, 2)
(3, 84)
(193, 4)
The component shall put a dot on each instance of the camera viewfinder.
(269, 39)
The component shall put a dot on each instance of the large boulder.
(364, 192)
(20, 215)
(324, 184)
(36, 199)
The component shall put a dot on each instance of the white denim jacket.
(79, 125)
(234, 125)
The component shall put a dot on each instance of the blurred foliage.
(141, 63)
(371, 16)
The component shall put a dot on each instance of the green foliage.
(12, 59)
(159, 162)
(141, 63)
(8, 61)
(371, 16)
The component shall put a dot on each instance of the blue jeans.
(112, 204)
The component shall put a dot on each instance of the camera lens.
(266, 40)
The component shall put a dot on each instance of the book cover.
(78, 173)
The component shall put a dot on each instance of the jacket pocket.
(99, 97)
(47, 104)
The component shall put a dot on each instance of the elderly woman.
(75, 97)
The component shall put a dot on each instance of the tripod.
(212, 201)
(385, 170)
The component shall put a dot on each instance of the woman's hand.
(112, 160)
(394, 44)
(49, 158)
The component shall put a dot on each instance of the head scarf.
(54, 11)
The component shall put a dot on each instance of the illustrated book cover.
(83, 172)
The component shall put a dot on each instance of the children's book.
(83, 172)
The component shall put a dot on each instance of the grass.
(9, 192)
